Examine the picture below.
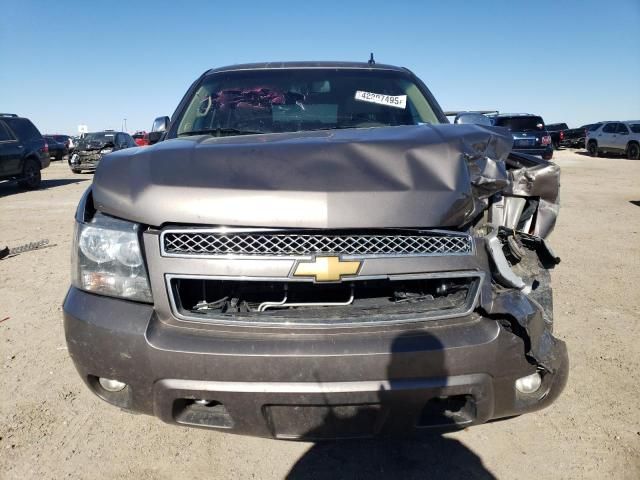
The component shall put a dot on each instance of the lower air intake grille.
(279, 243)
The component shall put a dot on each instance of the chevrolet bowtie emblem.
(327, 269)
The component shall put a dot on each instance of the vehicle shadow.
(429, 455)
(635, 202)
(429, 458)
(11, 188)
(604, 156)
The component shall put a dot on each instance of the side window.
(622, 128)
(4, 134)
(24, 129)
(610, 128)
(131, 141)
(119, 140)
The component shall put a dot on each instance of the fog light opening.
(529, 384)
(111, 385)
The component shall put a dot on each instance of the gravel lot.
(51, 426)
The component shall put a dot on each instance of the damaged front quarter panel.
(530, 202)
(518, 218)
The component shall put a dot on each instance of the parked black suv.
(93, 146)
(528, 131)
(23, 151)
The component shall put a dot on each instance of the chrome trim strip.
(505, 275)
(319, 387)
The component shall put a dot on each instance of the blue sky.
(69, 63)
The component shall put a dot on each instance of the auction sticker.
(396, 101)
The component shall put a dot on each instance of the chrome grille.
(279, 243)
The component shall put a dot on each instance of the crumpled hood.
(407, 176)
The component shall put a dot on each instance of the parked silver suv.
(615, 137)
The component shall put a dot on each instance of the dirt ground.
(51, 426)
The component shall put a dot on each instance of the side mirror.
(159, 127)
(160, 124)
(472, 118)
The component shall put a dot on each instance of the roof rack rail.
(8, 115)
(452, 113)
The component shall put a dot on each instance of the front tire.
(633, 151)
(31, 177)
(592, 148)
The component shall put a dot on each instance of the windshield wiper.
(219, 132)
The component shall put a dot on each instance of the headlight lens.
(106, 150)
(107, 259)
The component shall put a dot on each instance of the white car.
(615, 137)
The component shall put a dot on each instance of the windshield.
(97, 140)
(269, 101)
(521, 124)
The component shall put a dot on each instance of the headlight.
(106, 150)
(107, 260)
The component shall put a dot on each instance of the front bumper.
(85, 162)
(391, 380)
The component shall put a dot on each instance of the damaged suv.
(93, 146)
(312, 251)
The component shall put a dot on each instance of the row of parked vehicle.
(608, 137)
(532, 136)
(24, 151)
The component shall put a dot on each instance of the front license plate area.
(323, 421)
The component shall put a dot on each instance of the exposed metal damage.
(518, 222)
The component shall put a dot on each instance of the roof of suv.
(506, 115)
(292, 65)
(106, 131)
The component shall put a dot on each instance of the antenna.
(371, 60)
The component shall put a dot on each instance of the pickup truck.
(558, 133)
(575, 137)
(312, 251)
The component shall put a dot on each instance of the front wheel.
(31, 177)
(633, 151)
(593, 149)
